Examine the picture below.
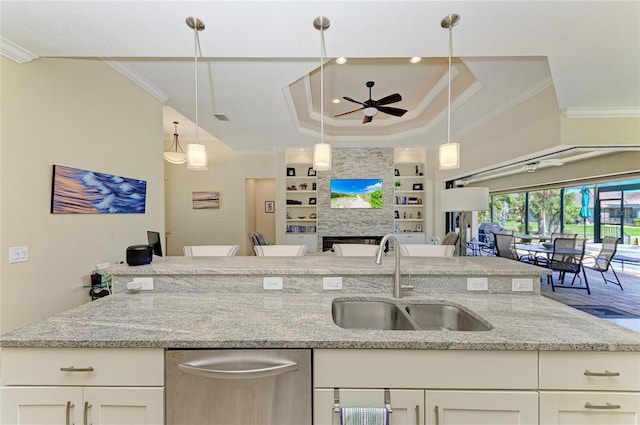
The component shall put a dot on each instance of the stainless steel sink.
(385, 315)
(430, 317)
(380, 315)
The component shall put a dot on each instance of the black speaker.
(138, 255)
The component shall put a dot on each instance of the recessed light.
(415, 59)
(341, 61)
(335, 101)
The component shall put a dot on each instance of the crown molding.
(578, 112)
(11, 50)
(137, 79)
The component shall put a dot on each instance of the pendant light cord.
(196, 48)
(322, 55)
(449, 113)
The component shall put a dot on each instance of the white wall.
(82, 114)
(228, 173)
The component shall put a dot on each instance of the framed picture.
(312, 201)
(205, 200)
(419, 228)
(77, 191)
(417, 186)
(291, 171)
(396, 215)
(269, 207)
(396, 172)
(311, 172)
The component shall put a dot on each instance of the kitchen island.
(538, 359)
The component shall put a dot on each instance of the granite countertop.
(285, 320)
(327, 264)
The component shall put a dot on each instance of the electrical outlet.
(332, 283)
(522, 285)
(147, 283)
(477, 284)
(18, 254)
(272, 283)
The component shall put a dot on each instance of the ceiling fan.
(371, 107)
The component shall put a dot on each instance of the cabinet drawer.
(589, 407)
(426, 369)
(590, 371)
(83, 366)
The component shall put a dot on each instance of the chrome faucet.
(397, 284)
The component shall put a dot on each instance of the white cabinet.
(95, 405)
(411, 238)
(60, 386)
(407, 405)
(301, 200)
(481, 407)
(409, 197)
(589, 388)
(310, 240)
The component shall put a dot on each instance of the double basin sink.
(408, 316)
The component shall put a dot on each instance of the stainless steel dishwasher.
(238, 387)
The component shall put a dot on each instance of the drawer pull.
(606, 406)
(68, 411)
(605, 373)
(76, 369)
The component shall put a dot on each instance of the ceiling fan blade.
(367, 119)
(352, 100)
(345, 113)
(392, 98)
(392, 111)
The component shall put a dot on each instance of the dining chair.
(280, 250)
(210, 250)
(602, 262)
(355, 249)
(567, 257)
(506, 247)
(426, 250)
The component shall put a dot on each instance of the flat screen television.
(356, 193)
(154, 240)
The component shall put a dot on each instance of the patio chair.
(602, 262)
(567, 257)
(506, 247)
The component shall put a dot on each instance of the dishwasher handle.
(229, 370)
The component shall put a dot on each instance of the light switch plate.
(522, 285)
(332, 283)
(272, 283)
(477, 284)
(147, 283)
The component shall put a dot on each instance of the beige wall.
(228, 173)
(83, 114)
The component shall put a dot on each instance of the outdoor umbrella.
(585, 212)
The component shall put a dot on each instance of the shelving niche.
(301, 209)
(409, 197)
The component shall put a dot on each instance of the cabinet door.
(124, 406)
(589, 408)
(407, 405)
(481, 407)
(40, 405)
(302, 239)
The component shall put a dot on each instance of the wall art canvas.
(205, 200)
(76, 191)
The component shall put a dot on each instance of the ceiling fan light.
(449, 156)
(370, 111)
(175, 157)
(197, 157)
(322, 157)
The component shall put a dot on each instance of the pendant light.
(172, 155)
(196, 153)
(449, 153)
(322, 150)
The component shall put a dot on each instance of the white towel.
(364, 416)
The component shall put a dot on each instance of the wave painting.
(78, 191)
